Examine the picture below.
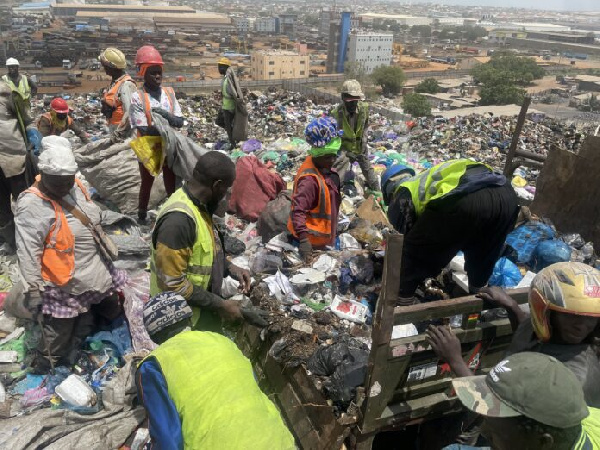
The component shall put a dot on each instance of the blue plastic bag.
(506, 274)
(550, 252)
(526, 238)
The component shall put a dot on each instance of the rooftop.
(278, 53)
(124, 8)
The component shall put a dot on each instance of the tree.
(416, 105)
(354, 70)
(423, 30)
(503, 78)
(428, 85)
(390, 78)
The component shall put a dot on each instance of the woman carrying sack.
(68, 282)
(152, 98)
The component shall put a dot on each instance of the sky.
(570, 5)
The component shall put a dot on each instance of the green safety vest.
(228, 102)
(200, 264)
(24, 89)
(214, 391)
(436, 182)
(352, 139)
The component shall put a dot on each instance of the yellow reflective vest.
(199, 267)
(23, 88)
(436, 182)
(352, 138)
(214, 391)
(228, 101)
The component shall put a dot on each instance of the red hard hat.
(148, 55)
(59, 105)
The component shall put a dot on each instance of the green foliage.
(390, 78)
(429, 86)
(354, 70)
(423, 30)
(416, 105)
(471, 33)
(507, 67)
(503, 78)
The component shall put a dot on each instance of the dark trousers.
(66, 336)
(228, 117)
(169, 179)
(12, 186)
(476, 223)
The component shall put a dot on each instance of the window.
(302, 72)
(271, 63)
(271, 73)
(302, 62)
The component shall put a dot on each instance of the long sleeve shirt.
(306, 198)
(33, 219)
(173, 238)
(44, 126)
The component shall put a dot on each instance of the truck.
(67, 64)
(405, 385)
(443, 60)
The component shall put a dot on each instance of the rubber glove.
(35, 139)
(306, 250)
(255, 316)
(174, 121)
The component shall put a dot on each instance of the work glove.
(33, 303)
(35, 140)
(255, 316)
(174, 121)
(229, 310)
(306, 250)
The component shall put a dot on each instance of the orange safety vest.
(111, 98)
(318, 219)
(145, 98)
(58, 258)
(55, 131)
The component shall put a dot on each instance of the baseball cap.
(527, 384)
(165, 309)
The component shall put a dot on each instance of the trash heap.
(319, 313)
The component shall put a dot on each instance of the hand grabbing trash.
(241, 275)
(306, 250)
(255, 316)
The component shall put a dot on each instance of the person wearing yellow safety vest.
(116, 100)
(352, 117)
(186, 252)
(457, 205)
(199, 390)
(22, 84)
(228, 94)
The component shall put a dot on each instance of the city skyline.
(557, 5)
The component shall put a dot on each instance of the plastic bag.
(506, 274)
(273, 220)
(526, 238)
(574, 240)
(550, 252)
(149, 151)
(137, 293)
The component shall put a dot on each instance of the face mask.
(351, 107)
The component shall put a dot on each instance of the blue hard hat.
(394, 170)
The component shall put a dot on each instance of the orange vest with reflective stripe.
(58, 257)
(111, 98)
(53, 130)
(318, 219)
(145, 98)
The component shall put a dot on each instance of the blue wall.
(344, 32)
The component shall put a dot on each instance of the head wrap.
(165, 309)
(142, 68)
(57, 157)
(58, 124)
(322, 134)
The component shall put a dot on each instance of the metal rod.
(515, 138)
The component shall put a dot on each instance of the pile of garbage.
(319, 313)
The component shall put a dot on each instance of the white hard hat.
(12, 62)
(57, 157)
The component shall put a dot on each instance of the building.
(338, 43)
(243, 25)
(400, 19)
(287, 22)
(70, 10)
(267, 25)
(278, 65)
(370, 50)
